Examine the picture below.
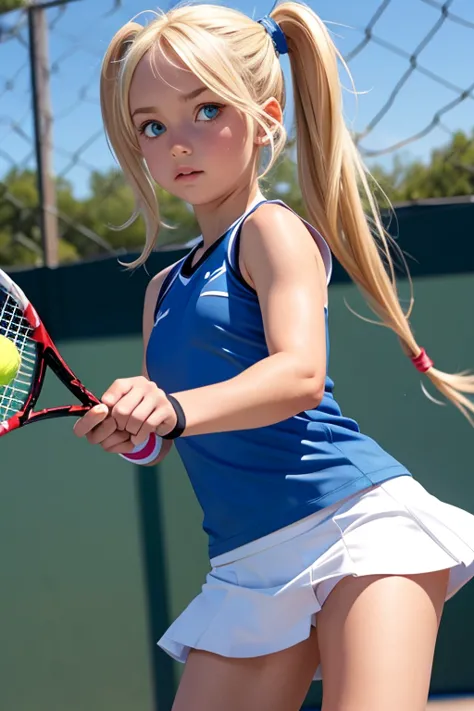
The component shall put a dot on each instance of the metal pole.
(43, 129)
(156, 584)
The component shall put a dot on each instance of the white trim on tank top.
(234, 227)
(259, 198)
(318, 238)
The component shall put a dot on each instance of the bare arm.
(151, 296)
(103, 426)
(283, 263)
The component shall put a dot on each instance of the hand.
(99, 427)
(139, 407)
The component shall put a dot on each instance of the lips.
(187, 173)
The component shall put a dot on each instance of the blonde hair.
(235, 57)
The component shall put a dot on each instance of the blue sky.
(81, 34)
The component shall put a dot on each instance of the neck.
(215, 218)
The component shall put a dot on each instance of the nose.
(179, 148)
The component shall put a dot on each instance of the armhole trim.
(233, 247)
(166, 286)
(233, 244)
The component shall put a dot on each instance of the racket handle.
(145, 453)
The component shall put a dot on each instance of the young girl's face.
(195, 146)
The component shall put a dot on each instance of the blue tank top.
(208, 328)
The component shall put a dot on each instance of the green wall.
(98, 556)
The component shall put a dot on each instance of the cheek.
(154, 157)
(232, 142)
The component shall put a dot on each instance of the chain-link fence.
(40, 218)
(60, 191)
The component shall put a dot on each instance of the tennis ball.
(9, 360)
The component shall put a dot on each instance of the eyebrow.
(185, 97)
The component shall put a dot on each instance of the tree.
(111, 205)
(449, 173)
(88, 225)
(7, 5)
(20, 238)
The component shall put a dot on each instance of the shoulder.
(279, 237)
(270, 218)
(276, 228)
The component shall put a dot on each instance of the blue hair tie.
(276, 33)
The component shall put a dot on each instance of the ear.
(273, 109)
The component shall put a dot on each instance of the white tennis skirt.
(263, 597)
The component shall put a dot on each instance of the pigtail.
(332, 178)
(121, 138)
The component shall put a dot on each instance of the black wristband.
(180, 425)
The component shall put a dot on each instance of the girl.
(328, 559)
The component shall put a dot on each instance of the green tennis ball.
(10, 360)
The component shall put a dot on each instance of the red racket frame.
(48, 356)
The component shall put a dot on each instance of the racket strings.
(16, 328)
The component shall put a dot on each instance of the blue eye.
(152, 129)
(209, 112)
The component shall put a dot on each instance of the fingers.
(125, 408)
(90, 420)
(142, 409)
(141, 414)
(102, 432)
(107, 435)
(118, 443)
(161, 421)
(132, 409)
(132, 401)
(119, 388)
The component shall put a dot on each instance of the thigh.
(376, 637)
(277, 682)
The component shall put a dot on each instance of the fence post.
(43, 130)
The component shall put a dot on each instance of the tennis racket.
(20, 323)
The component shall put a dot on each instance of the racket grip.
(145, 453)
